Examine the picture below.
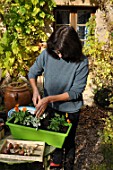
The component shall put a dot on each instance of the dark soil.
(88, 142)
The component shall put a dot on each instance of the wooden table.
(45, 165)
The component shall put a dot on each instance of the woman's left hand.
(41, 106)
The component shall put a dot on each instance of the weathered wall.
(101, 27)
(73, 2)
(104, 23)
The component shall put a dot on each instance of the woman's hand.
(41, 106)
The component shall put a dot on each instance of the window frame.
(73, 15)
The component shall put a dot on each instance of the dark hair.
(65, 39)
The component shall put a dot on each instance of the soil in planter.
(46, 122)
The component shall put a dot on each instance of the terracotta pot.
(17, 93)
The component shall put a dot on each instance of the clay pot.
(17, 93)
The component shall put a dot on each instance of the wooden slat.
(39, 152)
(73, 20)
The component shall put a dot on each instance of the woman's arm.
(36, 95)
(60, 97)
(42, 103)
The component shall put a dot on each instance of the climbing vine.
(101, 55)
(26, 24)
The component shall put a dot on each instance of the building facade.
(75, 13)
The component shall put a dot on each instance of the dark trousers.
(69, 144)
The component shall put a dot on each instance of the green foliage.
(107, 150)
(101, 56)
(107, 135)
(24, 117)
(20, 116)
(2, 107)
(32, 121)
(98, 167)
(26, 25)
(57, 122)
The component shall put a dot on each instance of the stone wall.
(104, 22)
(101, 27)
(74, 2)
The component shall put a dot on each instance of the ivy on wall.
(101, 55)
(27, 23)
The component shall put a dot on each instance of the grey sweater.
(59, 77)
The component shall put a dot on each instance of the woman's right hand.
(41, 106)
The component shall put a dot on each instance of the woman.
(65, 71)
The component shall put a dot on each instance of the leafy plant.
(101, 57)
(98, 167)
(24, 117)
(106, 136)
(31, 120)
(57, 122)
(26, 24)
(107, 133)
(2, 107)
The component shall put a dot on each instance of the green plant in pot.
(24, 117)
(57, 123)
(24, 125)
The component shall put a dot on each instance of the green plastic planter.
(55, 139)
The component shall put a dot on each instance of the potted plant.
(24, 125)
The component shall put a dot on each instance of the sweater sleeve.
(38, 67)
(80, 81)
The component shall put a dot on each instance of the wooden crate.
(37, 154)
